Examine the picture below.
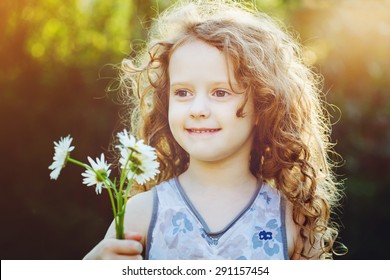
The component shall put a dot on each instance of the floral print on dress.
(181, 223)
(268, 238)
(178, 234)
(266, 197)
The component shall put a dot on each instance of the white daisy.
(141, 166)
(125, 139)
(61, 152)
(97, 175)
(138, 159)
(128, 141)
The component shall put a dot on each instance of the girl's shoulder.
(139, 208)
(139, 211)
(165, 185)
(142, 203)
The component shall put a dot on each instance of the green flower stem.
(122, 200)
(105, 179)
(124, 172)
(78, 163)
(119, 225)
(114, 209)
(118, 208)
(128, 187)
(122, 211)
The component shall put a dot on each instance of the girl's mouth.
(202, 130)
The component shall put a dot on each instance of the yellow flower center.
(101, 175)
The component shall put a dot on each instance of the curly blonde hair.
(292, 138)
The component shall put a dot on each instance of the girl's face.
(203, 106)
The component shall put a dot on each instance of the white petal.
(61, 150)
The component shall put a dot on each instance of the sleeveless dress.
(177, 230)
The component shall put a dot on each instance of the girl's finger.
(133, 236)
(126, 247)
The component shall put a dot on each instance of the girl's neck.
(225, 175)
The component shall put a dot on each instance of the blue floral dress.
(177, 230)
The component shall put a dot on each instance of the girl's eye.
(221, 93)
(182, 93)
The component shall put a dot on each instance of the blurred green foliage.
(55, 66)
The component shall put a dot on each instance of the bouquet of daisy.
(137, 162)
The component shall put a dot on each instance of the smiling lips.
(202, 130)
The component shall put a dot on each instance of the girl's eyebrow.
(178, 84)
(214, 84)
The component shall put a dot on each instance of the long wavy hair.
(291, 149)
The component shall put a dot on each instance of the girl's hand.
(111, 248)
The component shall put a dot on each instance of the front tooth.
(203, 131)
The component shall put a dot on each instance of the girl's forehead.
(196, 46)
(196, 55)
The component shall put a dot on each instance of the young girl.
(242, 139)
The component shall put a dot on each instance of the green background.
(56, 63)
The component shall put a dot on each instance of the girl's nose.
(200, 107)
